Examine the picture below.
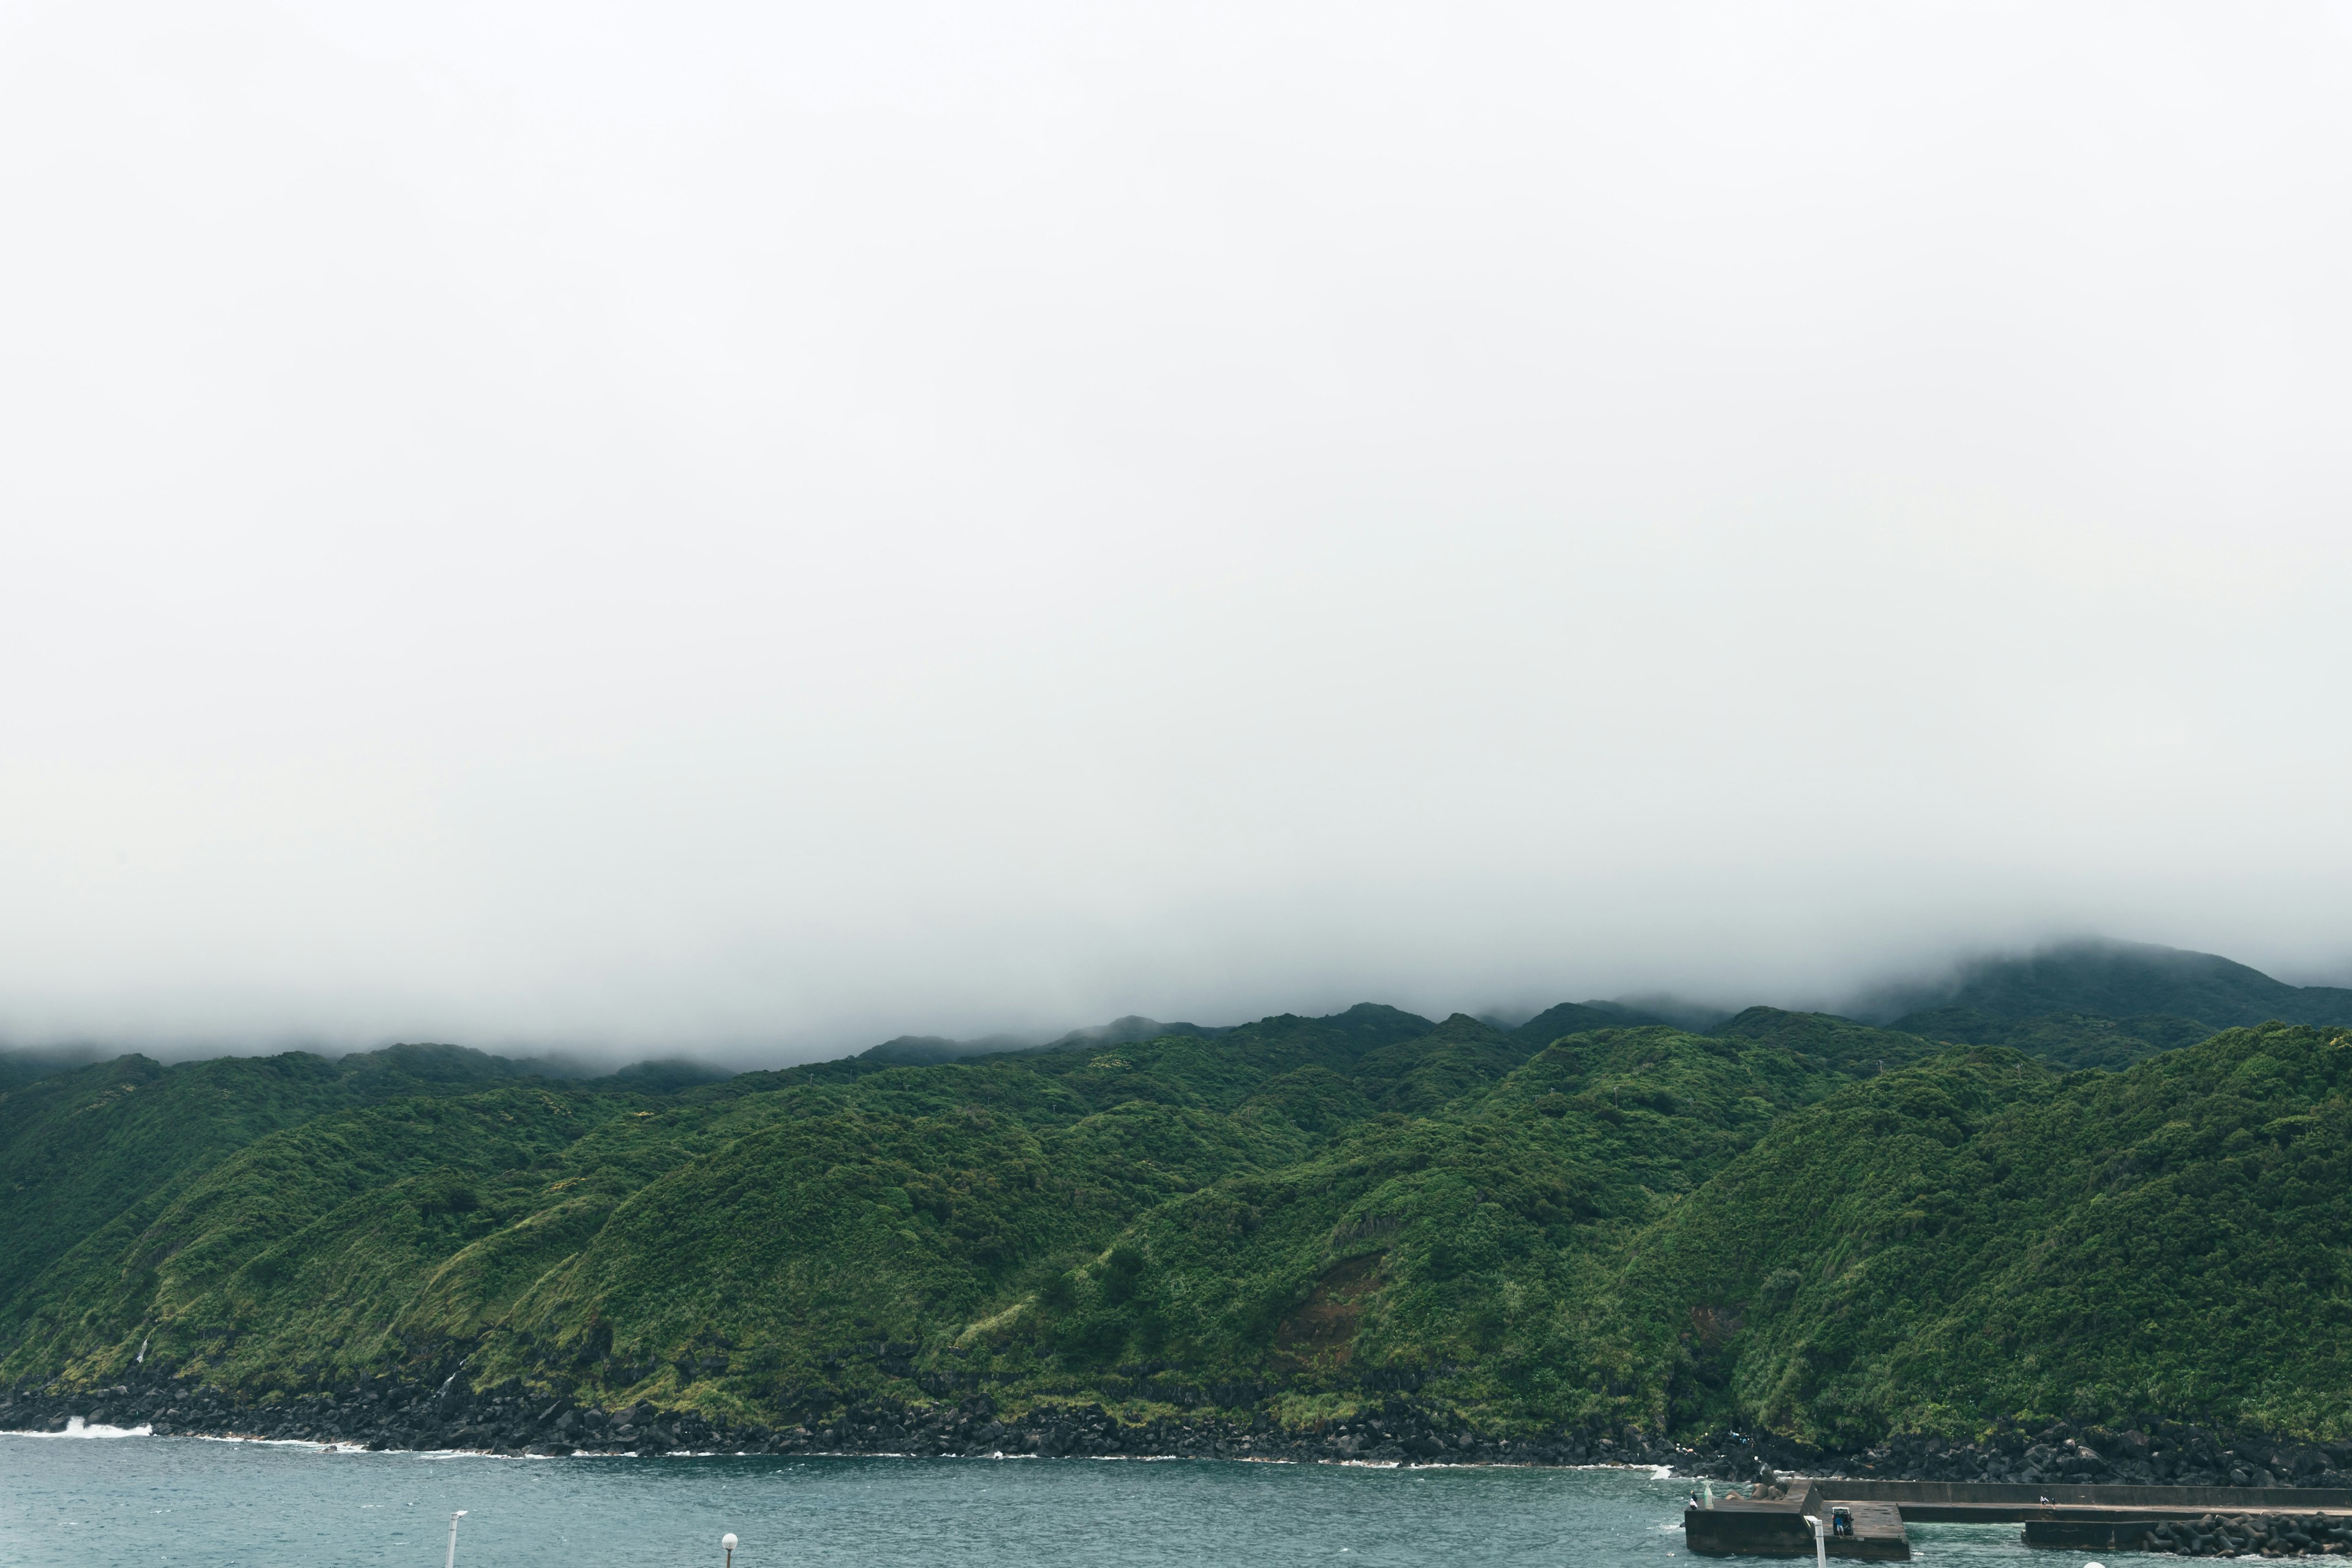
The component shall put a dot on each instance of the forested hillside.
(1796, 1223)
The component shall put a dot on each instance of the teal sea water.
(195, 1503)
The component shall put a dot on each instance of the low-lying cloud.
(755, 530)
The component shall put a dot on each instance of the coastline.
(507, 1421)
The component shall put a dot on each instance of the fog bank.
(758, 529)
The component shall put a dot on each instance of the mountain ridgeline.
(2012, 1209)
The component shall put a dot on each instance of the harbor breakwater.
(2152, 1453)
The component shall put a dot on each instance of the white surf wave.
(76, 1427)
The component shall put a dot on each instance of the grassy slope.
(1796, 1220)
(1037, 1220)
(89, 1156)
(1453, 1248)
(1978, 1237)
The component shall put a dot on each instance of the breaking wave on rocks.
(76, 1426)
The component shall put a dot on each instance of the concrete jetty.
(2073, 1518)
(1776, 1527)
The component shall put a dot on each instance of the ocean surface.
(211, 1504)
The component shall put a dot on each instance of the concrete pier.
(2073, 1518)
(1967, 1502)
(1776, 1527)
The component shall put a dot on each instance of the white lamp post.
(1820, 1541)
(728, 1541)
(451, 1561)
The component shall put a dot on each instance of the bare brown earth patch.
(1714, 1325)
(1321, 1331)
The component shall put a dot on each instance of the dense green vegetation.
(2060, 1039)
(1979, 1235)
(1794, 1221)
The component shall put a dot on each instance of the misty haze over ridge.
(756, 530)
(2088, 977)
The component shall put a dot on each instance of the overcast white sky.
(759, 527)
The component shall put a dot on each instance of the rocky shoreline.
(507, 1419)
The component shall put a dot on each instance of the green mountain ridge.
(2107, 979)
(1796, 1223)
